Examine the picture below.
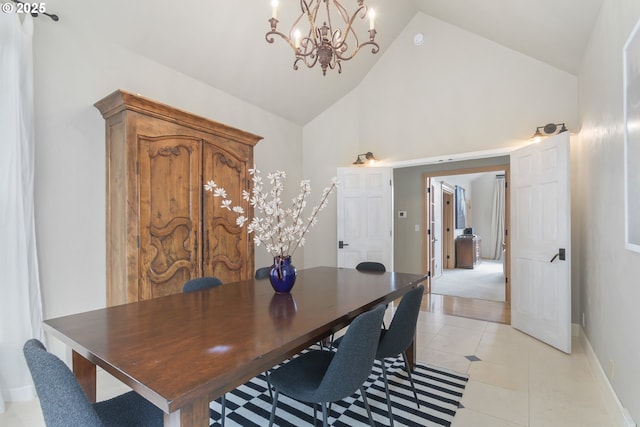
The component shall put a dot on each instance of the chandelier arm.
(309, 60)
(308, 52)
(295, 63)
(375, 49)
(342, 46)
(311, 11)
(329, 18)
(284, 37)
(311, 15)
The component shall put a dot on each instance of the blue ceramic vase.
(283, 274)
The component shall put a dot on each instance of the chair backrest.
(354, 358)
(397, 338)
(201, 283)
(263, 272)
(371, 266)
(62, 400)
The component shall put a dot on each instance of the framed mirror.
(631, 82)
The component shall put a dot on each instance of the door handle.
(342, 244)
(561, 254)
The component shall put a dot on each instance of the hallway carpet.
(485, 281)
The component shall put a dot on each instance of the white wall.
(73, 69)
(330, 142)
(456, 93)
(607, 273)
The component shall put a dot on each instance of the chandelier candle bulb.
(372, 17)
(274, 9)
(296, 37)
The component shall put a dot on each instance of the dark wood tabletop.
(184, 350)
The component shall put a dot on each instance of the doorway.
(462, 266)
(448, 248)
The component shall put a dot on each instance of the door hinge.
(428, 231)
(428, 274)
(137, 168)
(428, 189)
(506, 279)
(138, 241)
(390, 184)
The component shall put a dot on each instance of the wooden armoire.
(163, 228)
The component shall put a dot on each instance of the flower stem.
(313, 216)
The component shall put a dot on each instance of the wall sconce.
(548, 129)
(360, 160)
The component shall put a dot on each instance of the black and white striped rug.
(439, 391)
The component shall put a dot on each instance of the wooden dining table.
(182, 351)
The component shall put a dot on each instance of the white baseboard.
(575, 330)
(620, 414)
(21, 394)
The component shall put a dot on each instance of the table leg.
(85, 372)
(195, 414)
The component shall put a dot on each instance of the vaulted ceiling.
(222, 42)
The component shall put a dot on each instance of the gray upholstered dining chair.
(395, 340)
(263, 272)
(64, 403)
(200, 283)
(371, 266)
(321, 376)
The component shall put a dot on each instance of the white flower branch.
(280, 230)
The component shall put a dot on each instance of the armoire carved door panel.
(225, 244)
(169, 180)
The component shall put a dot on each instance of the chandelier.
(322, 41)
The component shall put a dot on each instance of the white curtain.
(20, 301)
(497, 219)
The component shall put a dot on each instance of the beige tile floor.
(519, 381)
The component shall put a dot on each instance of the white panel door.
(540, 241)
(437, 229)
(364, 216)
